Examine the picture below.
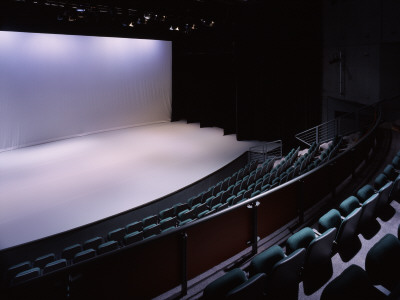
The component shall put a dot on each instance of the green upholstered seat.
(348, 206)
(252, 289)
(69, 252)
(43, 260)
(219, 288)
(26, 275)
(380, 181)
(264, 262)
(365, 193)
(55, 265)
(382, 262)
(352, 283)
(133, 237)
(167, 213)
(116, 234)
(300, 239)
(84, 255)
(93, 243)
(331, 219)
(107, 247)
(396, 162)
(390, 172)
(135, 226)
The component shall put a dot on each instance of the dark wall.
(261, 77)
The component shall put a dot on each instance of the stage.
(50, 188)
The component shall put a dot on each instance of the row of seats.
(167, 219)
(246, 183)
(356, 213)
(309, 251)
(382, 265)
(276, 274)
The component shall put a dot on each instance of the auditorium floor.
(50, 188)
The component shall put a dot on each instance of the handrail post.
(300, 202)
(254, 239)
(184, 284)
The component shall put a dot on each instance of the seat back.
(320, 249)
(283, 281)
(300, 239)
(265, 261)
(348, 228)
(251, 289)
(368, 210)
(352, 283)
(382, 262)
(348, 205)
(219, 288)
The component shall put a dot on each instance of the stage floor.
(50, 188)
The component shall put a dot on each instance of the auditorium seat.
(150, 220)
(396, 162)
(116, 235)
(55, 265)
(69, 252)
(219, 288)
(225, 196)
(84, 255)
(170, 211)
(223, 206)
(93, 243)
(383, 185)
(266, 179)
(26, 275)
(247, 193)
(382, 262)
(133, 237)
(348, 205)
(202, 211)
(135, 226)
(216, 188)
(168, 223)
(346, 228)
(318, 264)
(352, 283)
(41, 261)
(194, 201)
(179, 207)
(225, 184)
(368, 199)
(18, 268)
(283, 271)
(265, 188)
(252, 288)
(151, 230)
(207, 195)
(393, 175)
(107, 247)
(230, 200)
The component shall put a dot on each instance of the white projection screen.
(59, 86)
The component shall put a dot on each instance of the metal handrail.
(357, 121)
(262, 152)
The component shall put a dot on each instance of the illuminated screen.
(59, 86)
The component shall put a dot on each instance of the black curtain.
(260, 77)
